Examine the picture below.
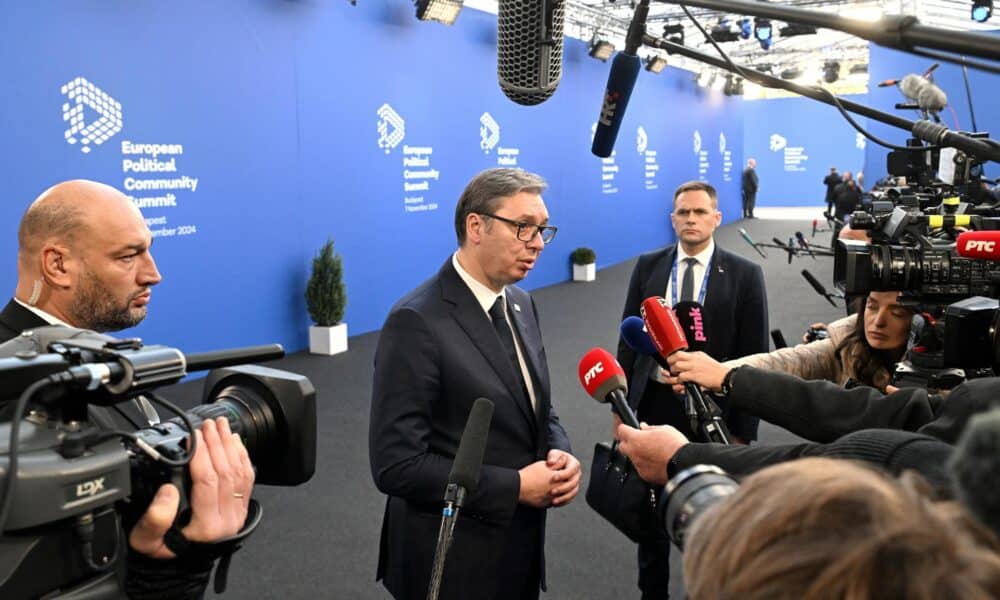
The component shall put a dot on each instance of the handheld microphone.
(633, 331)
(687, 318)
(462, 480)
(787, 248)
(529, 49)
(979, 244)
(749, 240)
(469, 457)
(801, 239)
(816, 285)
(975, 466)
(814, 228)
(621, 82)
(662, 326)
(604, 379)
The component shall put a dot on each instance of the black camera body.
(77, 482)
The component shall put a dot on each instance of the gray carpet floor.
(320, 540)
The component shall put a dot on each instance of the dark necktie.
(507, 340)
(687, 283)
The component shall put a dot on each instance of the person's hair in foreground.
(820, 528)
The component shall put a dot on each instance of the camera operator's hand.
(699, 368)
(809, 335)
(650, 449)
(222, 481)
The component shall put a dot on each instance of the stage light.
(442, 11)
(791, 73)
(704, 78)
(734, 86)
(722, 33)
(601, 49)
(831, 71)
(793, 29)
(858, 69)
(656, 64)
(762, 29)
(677, 30)
(982, 10)
(746, 28)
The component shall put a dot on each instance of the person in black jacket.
(750, 185)
(831, 181)
(84, 262)
(909, 422)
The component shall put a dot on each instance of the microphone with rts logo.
(604, 380)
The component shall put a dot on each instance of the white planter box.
(328, 340)
(585, 272)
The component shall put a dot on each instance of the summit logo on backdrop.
(391, 128)
(489, 132)
(697, 141)
(93, 116)
(641, 140)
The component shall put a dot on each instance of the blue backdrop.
(890, 64)
(795, 142)
(249, 133)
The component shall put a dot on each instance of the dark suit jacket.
(750, 181)
(14, 319)
(735, 320)
(436, 354)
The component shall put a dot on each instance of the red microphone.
(662, 326)
(604, 379)
(979, 244)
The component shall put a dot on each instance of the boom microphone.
(804, 244)
(979, 244)
(787, 248)
(529, 49)
(462, 480)
(621, 82)
(814, 227)
(633, 331)
(604, 379)
(749, 240)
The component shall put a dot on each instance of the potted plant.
(584, 264)
(326, 299)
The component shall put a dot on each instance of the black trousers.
(749, 200)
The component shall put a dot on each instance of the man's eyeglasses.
(527, 231)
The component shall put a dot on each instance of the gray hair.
(487, 189)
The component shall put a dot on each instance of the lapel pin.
(517, 307)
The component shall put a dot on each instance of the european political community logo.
(391, 128)
(85, 101)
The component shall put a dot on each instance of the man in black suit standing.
(731, 288)
(831, 181)
(83, 261)
(750, 184)
(469, 332)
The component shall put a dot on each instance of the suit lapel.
(718, 292)
(17, 318)
(476, 324)
(531, 345)
(657, 282)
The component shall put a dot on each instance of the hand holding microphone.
(698, 368)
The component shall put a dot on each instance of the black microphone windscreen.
(691, 316)
(621, 81)
(975, 467)
(814, 282)
(529, 49)
(779, 339)
(469, 457)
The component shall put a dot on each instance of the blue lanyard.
(704, 281)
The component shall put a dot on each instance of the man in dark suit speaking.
(731, 289)
(467, 333)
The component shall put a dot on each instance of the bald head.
(84, 258)
(66, 212)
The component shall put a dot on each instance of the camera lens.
(689, 494)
